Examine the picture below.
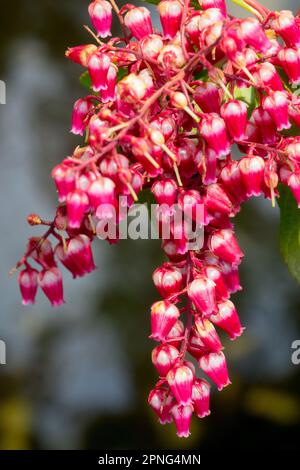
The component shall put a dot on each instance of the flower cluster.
(168, 111)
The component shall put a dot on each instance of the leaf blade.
(289, 231)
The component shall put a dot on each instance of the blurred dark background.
(78, 377)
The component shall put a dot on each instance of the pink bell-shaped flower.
(100, 12)
(290, 61)
(277, 105)
(201, 396)
(164, 315)
(208, 334)
(168, 280)
(234, 113)
(287, 27)
(252, 169)
(224, 244)
(180, 379)
(227, 318)
(50, 281)
(214, 365)
(98, 67)
(170, 12)
(81, 110)
(213, 130)
(28, 283)
(202, 292)
(164, 358)
(77, 204)
(182, 416)
(78, 256)
(138, 21)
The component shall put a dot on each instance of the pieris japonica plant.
(201, 112)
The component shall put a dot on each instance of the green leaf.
(85, 81)
(146, 197)
(248, 95)
(122, 72)
(203, 75)
(289, 231)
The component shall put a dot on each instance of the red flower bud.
(207, 165)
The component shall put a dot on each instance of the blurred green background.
(78, 377)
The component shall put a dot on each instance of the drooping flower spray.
(164, 113)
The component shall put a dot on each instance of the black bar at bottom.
(132, 459)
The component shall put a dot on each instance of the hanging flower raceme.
(168, 112)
